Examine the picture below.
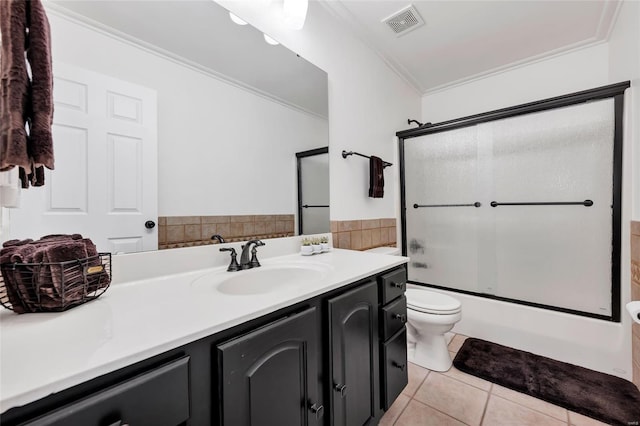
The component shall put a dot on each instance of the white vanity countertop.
(49, 352)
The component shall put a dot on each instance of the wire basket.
(53, 287)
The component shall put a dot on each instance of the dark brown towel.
(47, 275)
(26, 101)
(376, 177)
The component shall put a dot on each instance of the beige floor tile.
(452, 397)
(417, 414)
(576, 419)
(468, 378)
(530, 402)
(501, 412)
(456, 342)
(416, 377)
(394, 411)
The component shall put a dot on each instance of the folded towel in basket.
(47, 275)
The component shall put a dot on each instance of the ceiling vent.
(404, 21)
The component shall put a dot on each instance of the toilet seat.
(430, 302)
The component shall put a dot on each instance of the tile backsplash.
(635, 295)
(189, 231)
(363, 234)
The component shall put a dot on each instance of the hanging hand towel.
(26, 100)
(376, 177)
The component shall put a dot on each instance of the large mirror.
(172, 124)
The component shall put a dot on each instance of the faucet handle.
(254, 257)
(233, 266)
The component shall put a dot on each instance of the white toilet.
(429, 316)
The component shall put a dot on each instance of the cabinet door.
(269, 376)
(354, 356)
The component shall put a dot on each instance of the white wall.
(368, 103)
(595, 344)
(221, 149)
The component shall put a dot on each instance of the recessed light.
(270, 40)
(237, 20)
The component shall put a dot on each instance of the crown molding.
(606, 23)
(125, 38)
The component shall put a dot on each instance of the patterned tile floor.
(456, 398)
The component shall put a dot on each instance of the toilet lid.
(430, 301)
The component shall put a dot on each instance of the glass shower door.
(559, 254)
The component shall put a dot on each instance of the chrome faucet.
(245, 263)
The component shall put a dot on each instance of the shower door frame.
(615, 91)
(299, 157)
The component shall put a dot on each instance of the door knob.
(149, 224)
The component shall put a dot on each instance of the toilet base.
(431, 352)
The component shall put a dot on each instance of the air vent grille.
(404, 20)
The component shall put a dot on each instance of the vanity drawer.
(159, 397)
(394, 316)
(393, 285)
(394, 374)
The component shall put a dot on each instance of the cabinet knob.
(401, 317)
(397, 285)
(317, 410)
(400, 366)
(340, 388)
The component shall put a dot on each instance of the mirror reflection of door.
(313, 191)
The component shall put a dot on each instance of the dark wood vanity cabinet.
(268, 376)
(338, 359)
(353, 354)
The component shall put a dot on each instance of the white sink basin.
(265, 279)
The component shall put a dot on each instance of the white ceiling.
(463, 40)
(200, 33)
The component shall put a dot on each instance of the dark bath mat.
(601, 396)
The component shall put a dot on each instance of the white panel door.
(104, 185)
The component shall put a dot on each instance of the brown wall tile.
(284, 217)
(635, 271)
(344, 240)
(183, 220)
(392, 234)
(281, 226)
(248, 229)
(349, 225)
(235, 229)
(366, 238)
(270, 227)
(175, 233)
(193, 232)
(215, 219)
(260, 227)
(223, 229)
(356, 240)
(635, 248)
(376, 237)
(635, 343)
(371, 223)
(334, 226)
(162, 234)
(162, 220)
(635, 228)
(385, 223)
(241, 219)
(209, 229)
(384, 236)
(265, 217)
(334, 237)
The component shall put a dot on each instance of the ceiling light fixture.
(270, 40)
(295, 13)
(237, 20)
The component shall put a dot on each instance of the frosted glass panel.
(552, 254)
(314, 177)
(442, 241)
